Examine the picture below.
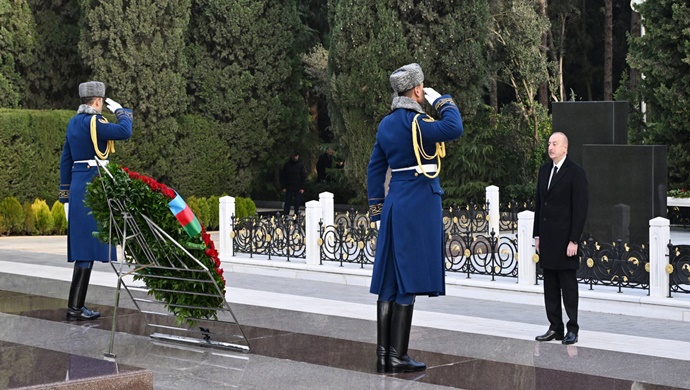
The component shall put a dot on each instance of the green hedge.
(37, 218)
(30, 146)
(200, 162)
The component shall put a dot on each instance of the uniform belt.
(93, 163)
(428, 168)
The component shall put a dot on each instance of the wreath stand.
(221, 331)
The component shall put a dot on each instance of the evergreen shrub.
(12, 214)
(29, 222)
(59, 218)
(204, 211)
(42, 217)
(214, 212)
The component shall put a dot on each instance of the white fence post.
(225, 212)
(527, 268)
(659, 235)
(492, 198)
(313, 216)
(327, 208)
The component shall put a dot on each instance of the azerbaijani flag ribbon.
(185, 216)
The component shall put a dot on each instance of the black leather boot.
(401, 324)
(77, 296)
(383, 334)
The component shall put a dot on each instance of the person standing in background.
(326, 162)
(88, 143)
(293, 180)
(561, 203)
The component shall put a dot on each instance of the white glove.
(378, 224)
(431, 95)
(66, 211)
(112, 105)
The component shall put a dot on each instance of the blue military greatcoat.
(76, 172)
(411, 230)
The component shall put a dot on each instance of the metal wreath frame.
(159, 319)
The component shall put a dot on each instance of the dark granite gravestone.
(590, 123)
(627, 188)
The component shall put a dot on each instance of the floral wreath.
(142, 195)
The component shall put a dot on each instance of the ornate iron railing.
(614, 264)
(468, 218)
(351, 240)
(469, 247)
(278, 235)
(485, 254)
(508, 214)
(678, 215)
(678, 269)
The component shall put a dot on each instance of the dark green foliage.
(367, 44)
(12, 215)
(29, 219)
(244, 72)
(17, 50)
(370, 39)
(201, 163)
(137, 50)
(54, 77)
(244, 207)
(663, 56)
(214, 212)
(30, 147)
(499, 150)
(450, 39)
(204, 215)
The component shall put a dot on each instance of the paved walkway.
(468, 342)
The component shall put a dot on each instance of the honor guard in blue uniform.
(89, 142)
(409, 252)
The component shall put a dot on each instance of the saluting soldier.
(409, 253)
(89, 142)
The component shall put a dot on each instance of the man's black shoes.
(551, 335)
(570, 338)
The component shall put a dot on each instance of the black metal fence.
(614, 264)
(678, 269)
(276, 235)
(470, 248)
(509, 211)
(351, 240)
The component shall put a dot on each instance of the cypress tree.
(370, 39)
(662, 55)
(17, 50)
(245, 73)
(367, 44)
(53, 79)
(137, 50)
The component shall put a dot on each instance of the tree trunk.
(635, 31)
(493, 92)
(543, 92)
(608, 50)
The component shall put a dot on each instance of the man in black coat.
(293, 179)
(561, 210)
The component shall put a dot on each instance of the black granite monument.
(603, 123)
(627, 183)
(627, 188)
